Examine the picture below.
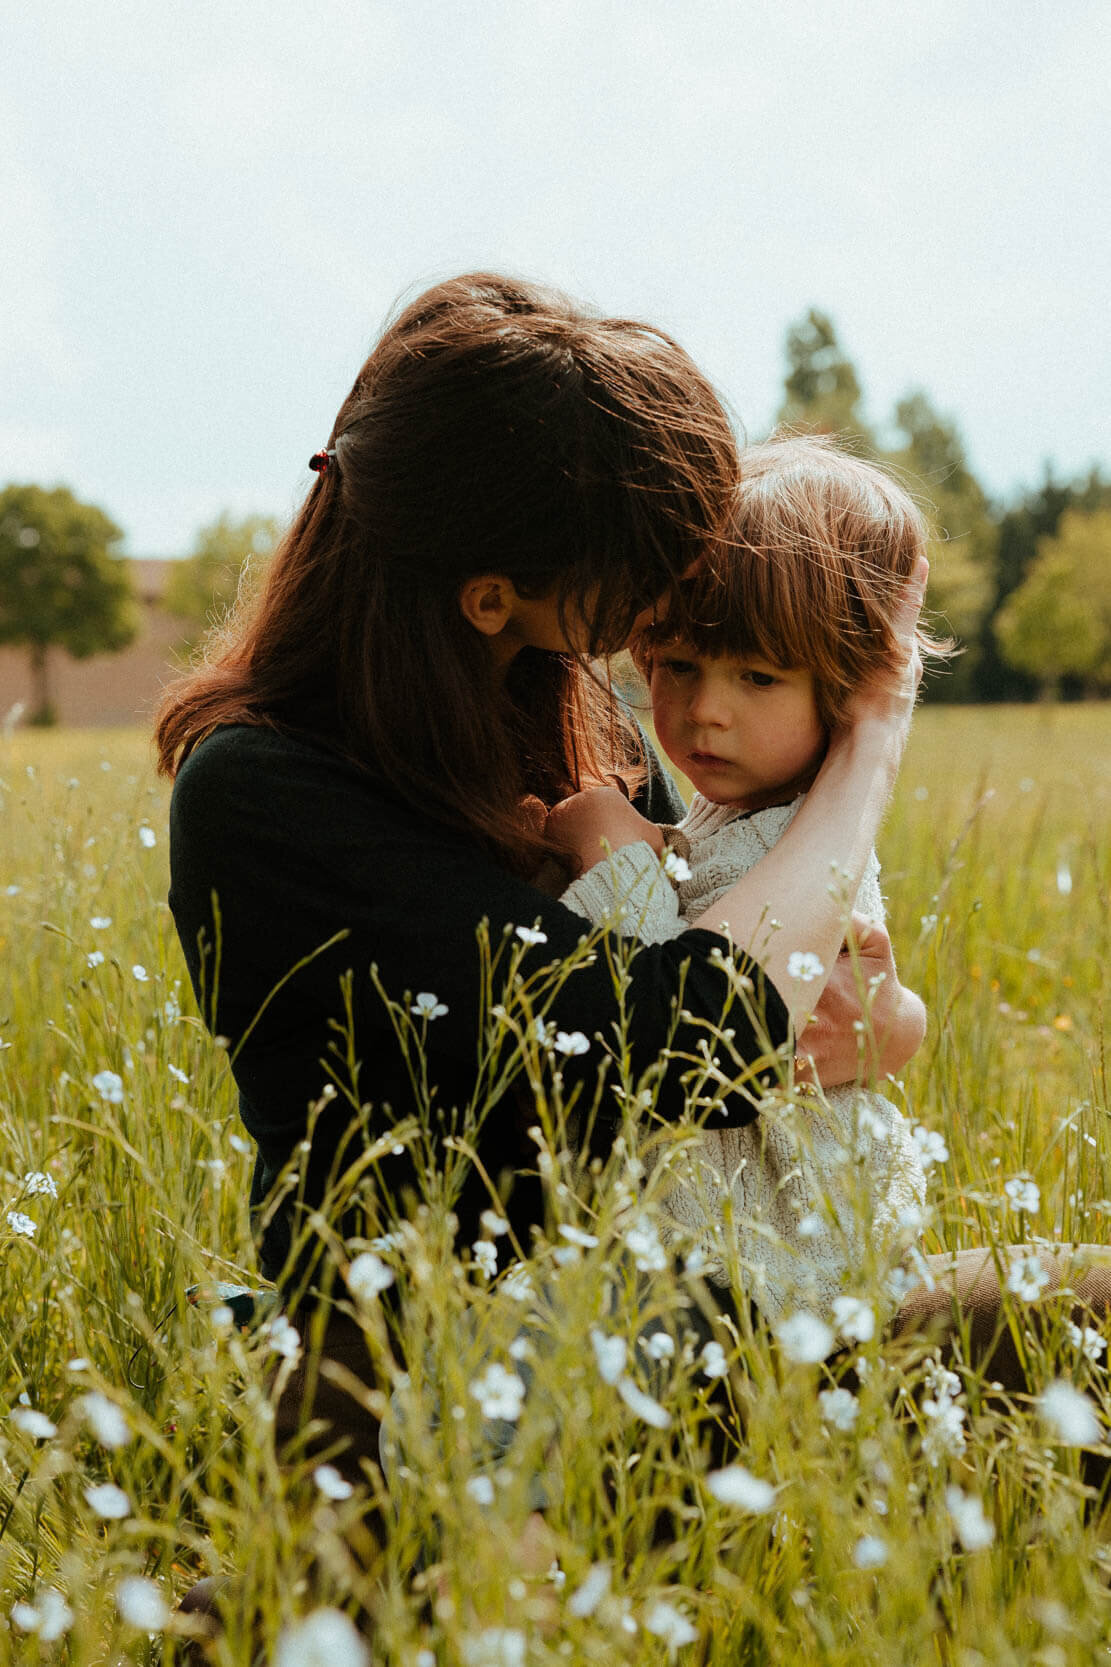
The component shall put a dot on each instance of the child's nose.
(706, 708)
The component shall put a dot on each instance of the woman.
(511, 486)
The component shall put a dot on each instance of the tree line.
(1024, 586)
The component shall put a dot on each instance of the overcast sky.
(209, 208)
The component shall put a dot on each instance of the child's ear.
(487, 602)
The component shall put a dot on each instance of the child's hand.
(581, 823)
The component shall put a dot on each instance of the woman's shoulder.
(254, 770)
(246, 753)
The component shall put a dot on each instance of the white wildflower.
(517, 1283)
(945, 1434)
(480, 1489)
(737, 1486)
(974, 1531)
(109, 1085)
(664, 1621)
(1023, 1194)
(589, 1595)
(659, 1346)
(804, 1338)
(1091, 1343)
(713, 1361)
(676, 868)
(531, 934)
(180, 1076)
(34, 1424)
(853, 1318)
(495, 1646)
(499, 1392)
(147, 838)
(610, 1354)
(368, 1276)
(284, 1338)
(427, 1006)
(330, 1483)
(95, 958)
(931, 1146)
(1027, 1278)
(643, 1405)
(576, 1236)
(100, 923)
(1070, 1415)
(105, 1419)
(494, 1224)
(108, 1501)
(50, 1616)
(141, 1603)
(870, 1123)
(22, 1224)
(486, 1258)
(942, 1384)
(571, 1042)
(900, 1282)
(643, 1242)
(326, 1638)
(869, 1552)
(839, 1408)
(36, 1182)
(804, 966)
(811, 1226)
(140, 974)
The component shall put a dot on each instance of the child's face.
(745, 732)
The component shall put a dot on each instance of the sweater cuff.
(630, 892)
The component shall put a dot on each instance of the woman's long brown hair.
(496, 428)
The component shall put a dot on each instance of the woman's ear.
(487, 602)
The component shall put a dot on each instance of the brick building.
(107, 689)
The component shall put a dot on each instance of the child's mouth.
(707, 760)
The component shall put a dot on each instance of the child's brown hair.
(817, 553)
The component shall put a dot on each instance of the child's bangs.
(744, 606)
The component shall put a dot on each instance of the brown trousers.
(963, 1312)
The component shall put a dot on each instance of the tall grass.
(850, 1536)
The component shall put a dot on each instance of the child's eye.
(677, 668)
(760, 679)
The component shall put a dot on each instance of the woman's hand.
(587, 822)
(829, 1048)
(888, 698)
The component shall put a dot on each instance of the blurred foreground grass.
(840, 1542)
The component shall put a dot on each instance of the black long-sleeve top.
(296, 845)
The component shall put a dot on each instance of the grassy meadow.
(860, 1527)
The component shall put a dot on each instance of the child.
(794, 616)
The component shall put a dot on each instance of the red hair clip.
(320, 460)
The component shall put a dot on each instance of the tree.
(964, 541)
(1057, 623)
(202, 589)
(1035, 516)
(60, 584)
(821, 390)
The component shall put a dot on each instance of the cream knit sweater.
(791, 1206)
